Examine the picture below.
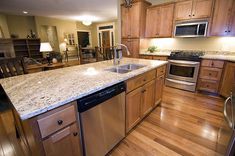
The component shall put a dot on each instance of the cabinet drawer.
(208, 85)
(162, 58)
(146, 57)
(140, 80)
(161, 71)
(213, 63)
(210, 73)
(56, 121)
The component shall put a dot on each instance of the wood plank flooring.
(185, 124)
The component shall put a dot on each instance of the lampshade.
(45, 47)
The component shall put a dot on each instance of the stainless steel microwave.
(191, 29)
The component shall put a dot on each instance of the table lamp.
(45, 47)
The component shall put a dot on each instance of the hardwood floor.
(185, 124)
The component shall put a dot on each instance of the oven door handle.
(183, 62)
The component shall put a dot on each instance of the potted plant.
(151, 49)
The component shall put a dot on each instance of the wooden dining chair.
(12, 67)
(104, 53)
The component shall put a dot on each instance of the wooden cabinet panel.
(212, 63)
(133, 47)
(208, 85)
(149, 57)
(125, 22)
(133, 104)
(64, 142)
(161, 71)
(148, 97)
(152, 26)
(232, 23)
(166, 20)
(140, 80)
(210, 73)
(134, 24)
(161, 58)
(221, 18)
(228, 79)
(202, 8)
(159, 89)
(56, 121)
(183, 10)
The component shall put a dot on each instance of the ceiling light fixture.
(25, 12)
(87, 23)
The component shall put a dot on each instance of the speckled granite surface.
(219, 57)
(33, 94)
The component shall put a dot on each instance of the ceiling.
(79, 10)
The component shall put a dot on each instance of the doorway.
(84, 38)
(106, 35)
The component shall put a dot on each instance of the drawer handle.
(209, 74)
(75, 133)
(144, 80)
(60, 122)
(212, 64)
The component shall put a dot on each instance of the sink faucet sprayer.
(118, 53)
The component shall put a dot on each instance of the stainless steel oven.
(182, 74)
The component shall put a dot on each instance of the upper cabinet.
(133, 20)
(193, 9)
(159, 21)
(223, 22)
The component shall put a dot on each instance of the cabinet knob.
(60, 122)
(209, 74)
(229, 31)
(143, 90)
(144, 80)
(207, 86)
(226, 31)
(75, 133)
(189, 15)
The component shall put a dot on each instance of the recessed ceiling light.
(25, 12)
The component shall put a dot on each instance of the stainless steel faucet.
(118, 53)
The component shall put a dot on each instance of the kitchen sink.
(125, 68)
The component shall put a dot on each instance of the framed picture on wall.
(1, 33)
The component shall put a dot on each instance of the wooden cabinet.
(162, 24)
(223, 22)
(210, 75)
(133, 47)
(159, 89)
(228, 79)
(133, 20)
(54, 133)
(64, 142)
(193, 9)
(148, 98)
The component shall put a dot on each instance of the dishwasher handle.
(94, 99)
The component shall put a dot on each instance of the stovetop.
(184, 55)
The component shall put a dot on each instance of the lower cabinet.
(64, 142)
(139, 102)
(228, 79)
(159, 89)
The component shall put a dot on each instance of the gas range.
(185, 55)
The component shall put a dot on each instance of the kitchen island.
(42, 99)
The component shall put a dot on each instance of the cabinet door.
(159, 89)
(166, 24)
(134, 12)
(232, 23)
(133, 103)
(221, 17)
(64, 142)
(125, 22)
(152, 26)
(134, 50)
(148, 97)
(228, 79)
(183, 10)
(126, 42)
(202, 8)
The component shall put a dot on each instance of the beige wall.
(207, 44)
(62, 27)
(4, 26)
(21, 25)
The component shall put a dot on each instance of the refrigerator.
(226, 135)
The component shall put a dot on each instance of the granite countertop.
(33, 94)
(219, 57)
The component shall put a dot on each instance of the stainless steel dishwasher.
(102, 120)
